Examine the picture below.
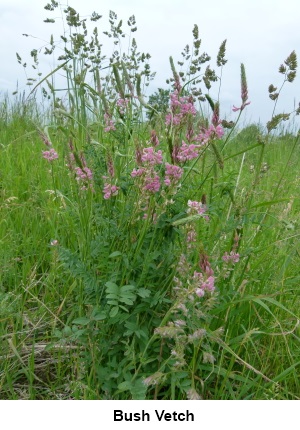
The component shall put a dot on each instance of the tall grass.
(145, 258)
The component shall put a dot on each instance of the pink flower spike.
(110, 190)
(232, 257)
(187, 152)
(200, 292)
(50, 155)
(245, 104)
(209, 284)
(235, 109)
(152, 157)
(196, 207)
(137, 172)
(154, 139)
(109, 123)
(152, 184)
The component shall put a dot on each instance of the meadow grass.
(138, 267)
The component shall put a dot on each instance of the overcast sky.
(259, 33)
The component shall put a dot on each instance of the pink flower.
(209, 284)
(186, 152)
(173, 119)
(84, 174)
(198, 277)
(200, 292)
(196, 207)
(211, 133)
(218, 131)
(50, 155)
(203, 285)
(242, 107)
(109, 123)
(174, 171)
(232, 257)
(122, 105)
(173, 174)
(152, 157)
(84, 177)
(152, 184)
(137, 172)
(181, 107)
(110, 190)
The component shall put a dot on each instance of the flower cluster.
(195, 207)
(202, 285)
(84, 177)
(150, 181)
(172, 174)
(109, 123)
(210, 133)
(78, 165)
(122, 105)
(185, 152)
(151, 157)
(200, 282)
(84, 174)
(181, 108)
(233, 257)
(50, 155)
(110, 190)
(204, 281)
(137, 172)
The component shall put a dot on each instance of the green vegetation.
(144, 258)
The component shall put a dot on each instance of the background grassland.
(258, 356)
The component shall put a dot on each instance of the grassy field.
(146, 257)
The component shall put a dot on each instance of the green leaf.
(143, 292)
(112, 287)
(128, 301)
(138, 390)
(126, 294)
(115, 254)
(126, 288)
(81, 321)
(100, 316)
(125, 386)
(114, 311)
(113, 302)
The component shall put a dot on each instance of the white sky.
(259, 33)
